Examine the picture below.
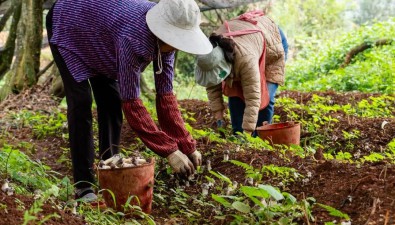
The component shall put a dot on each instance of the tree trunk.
(32, 28)
(29, 36)
(6, 16)
(7, 53)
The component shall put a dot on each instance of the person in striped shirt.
(103, 47)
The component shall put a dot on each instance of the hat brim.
(192, 41)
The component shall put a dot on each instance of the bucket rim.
(134, 167)
(288, 124)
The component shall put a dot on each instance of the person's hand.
(180, 163)
(196, 158)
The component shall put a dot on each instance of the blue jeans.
(237, 106)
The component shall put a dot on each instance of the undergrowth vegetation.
(321, 67)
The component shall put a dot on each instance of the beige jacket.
(246, 67)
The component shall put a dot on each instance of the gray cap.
(212, 69)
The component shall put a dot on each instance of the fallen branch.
(362, 47)
(45, 69)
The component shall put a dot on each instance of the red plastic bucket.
(126, 182)
(287, 133)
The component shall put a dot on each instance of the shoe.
(87, 195)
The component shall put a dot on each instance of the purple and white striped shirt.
(110, 38)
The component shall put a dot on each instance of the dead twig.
(376, 202)
(305, 211)
(387, 215)
(385, 173)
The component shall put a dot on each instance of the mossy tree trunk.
(29, 37)
(7, 53)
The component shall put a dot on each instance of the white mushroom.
(208, 165)
(345, 223)
(357, 155)
(128, 160)
(228, 190)
(250, 181)
(5, 186)
(234, 185)
(10, 191)
(113, 159)
(37, 194)
(226, 155)
(105, 167)
(74, 210)
(205, 188)
(383, 124)
(126, 165)
(140, 161)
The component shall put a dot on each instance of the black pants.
(79, 116)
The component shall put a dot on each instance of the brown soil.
(371, 186)
(16, 205)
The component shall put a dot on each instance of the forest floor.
(365, 191)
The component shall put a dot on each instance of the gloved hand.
(196, 158)
(180, 163)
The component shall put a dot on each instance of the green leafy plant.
(334, 212)
(31, 215)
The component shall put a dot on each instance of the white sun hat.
(176, 23)
(212, 69)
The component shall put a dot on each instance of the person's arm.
(169, 115)
(133, 108)
(216, 101)
(251, 84)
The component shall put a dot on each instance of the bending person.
(103, 47)
(247, 65)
